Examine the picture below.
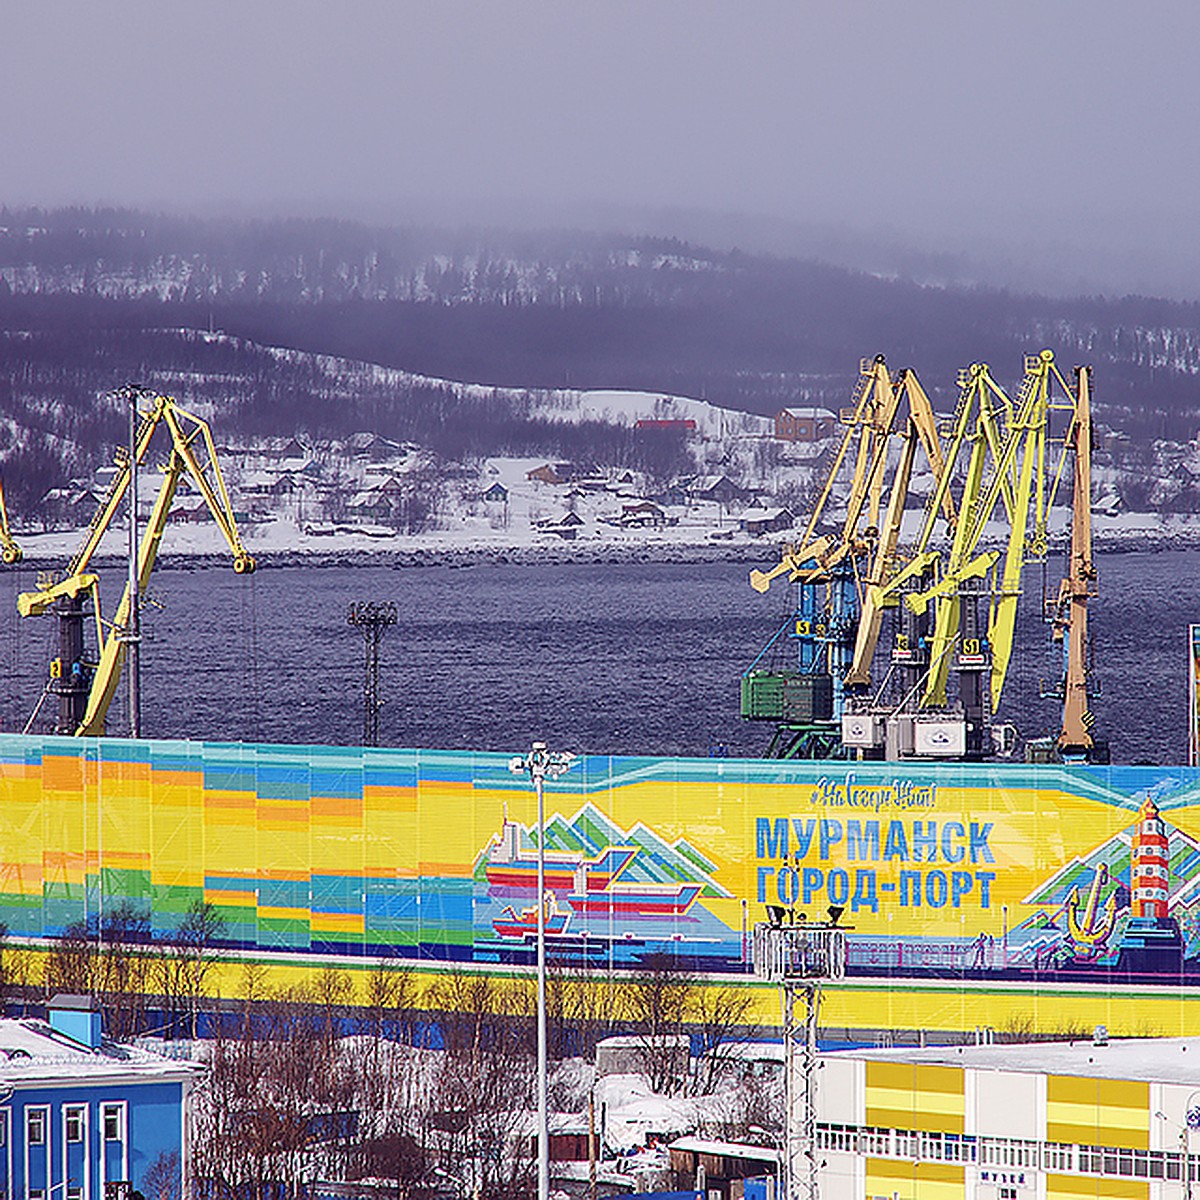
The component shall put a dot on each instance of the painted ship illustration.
(513, 924)
(591, 886)
(601, 881)
(510, 865)
(648, 900)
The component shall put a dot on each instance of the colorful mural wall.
(996, 871)
(1194, 695)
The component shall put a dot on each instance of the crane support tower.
(799, 958)
(1068, 611)
(85, 687)
(10, 552)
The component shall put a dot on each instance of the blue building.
(86, 1119)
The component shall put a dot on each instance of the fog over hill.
(86, 295)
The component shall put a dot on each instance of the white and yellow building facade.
(1035, 1121)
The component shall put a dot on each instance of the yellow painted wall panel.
(1075, 1187)
(914, 1181)
(915, 1096)
(1098, 1112)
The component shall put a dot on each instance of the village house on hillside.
(560, 472)
(804, 424)
(757, 521)
(642, 514)
(716, 489)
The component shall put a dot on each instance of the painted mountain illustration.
(1183, 884)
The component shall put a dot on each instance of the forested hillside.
(91, 299)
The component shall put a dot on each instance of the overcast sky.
(1056, 137)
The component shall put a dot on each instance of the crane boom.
(1076, 739)
(10, 552)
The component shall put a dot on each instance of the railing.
(1005, 1154)
(783, 953)
(891, 955)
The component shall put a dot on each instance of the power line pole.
(372, 619)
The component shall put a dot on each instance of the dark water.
(630, 658)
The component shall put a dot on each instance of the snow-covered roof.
(752, 1051)
(638, 1041)
(811, 414)
(1155, 1060)
(699, 1145)
(764, 514)
(32, 1053)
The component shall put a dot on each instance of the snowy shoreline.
(51, 551)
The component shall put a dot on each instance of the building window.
(37, 1194)
(35, 1128)
(73, 1121)
(74, 1192)
(110, 1115)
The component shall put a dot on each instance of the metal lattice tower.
(372, 619)
(800, 958)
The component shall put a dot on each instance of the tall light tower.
(537, 764)
(372, 619)
(133, 630)
(799, 958)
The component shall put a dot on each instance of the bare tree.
(720, 1013)
(183, 964)
(483, 1089)
(661, 1001)
(267, 1116)
(163, 1179)
(71, 964)
(123, 969)
(581, 1009)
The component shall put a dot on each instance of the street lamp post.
(1191, 1121)
(537, 764)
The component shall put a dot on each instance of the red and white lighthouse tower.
(1148, 875)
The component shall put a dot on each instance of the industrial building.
(1037, 1120)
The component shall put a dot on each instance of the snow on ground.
(564, 404)
(702, 528)
(625, 408)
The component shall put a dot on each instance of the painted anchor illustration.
(1092, 931)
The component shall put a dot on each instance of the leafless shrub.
(183, 962)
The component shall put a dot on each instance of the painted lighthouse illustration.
(1151, 941)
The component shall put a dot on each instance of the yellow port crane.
(839, 575)
(1017, 480)
(84, 688)
(10, 552)
(957, 607)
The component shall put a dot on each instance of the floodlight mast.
(537, 764)
(799, 958)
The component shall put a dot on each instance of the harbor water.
(614, 658)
